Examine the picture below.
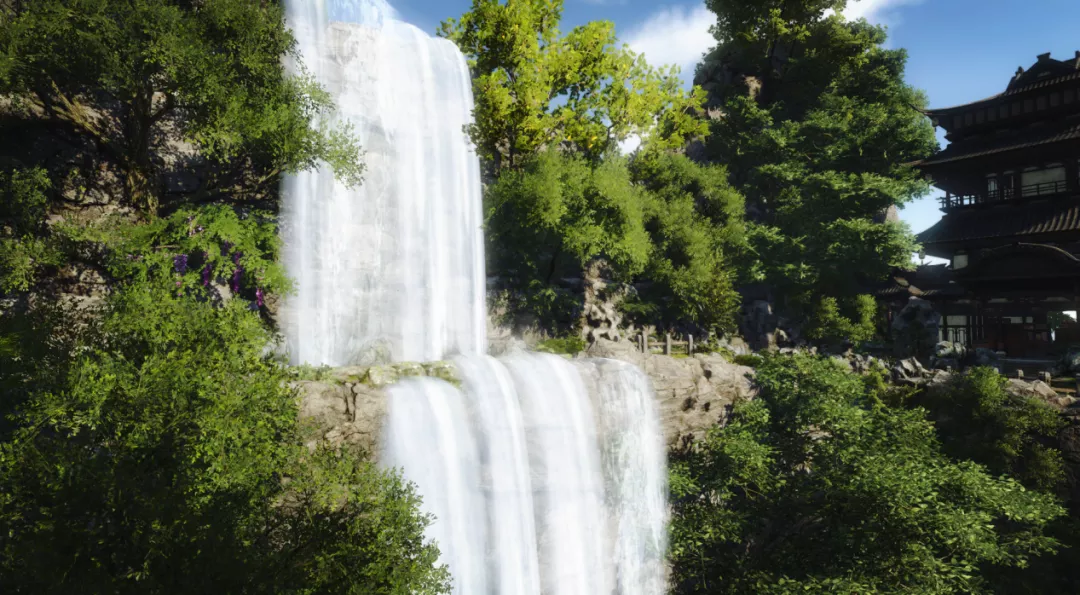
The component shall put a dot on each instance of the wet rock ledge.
(347, 406)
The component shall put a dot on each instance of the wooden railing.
(669, 346)
(991, 196)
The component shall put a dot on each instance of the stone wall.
(348, 405)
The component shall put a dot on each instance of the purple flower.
(180, 263)
(206, 275)
(178, 284)
(236, 257)
(225, 248)
(259, 297)
(236, 279)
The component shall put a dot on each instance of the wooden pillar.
(667, 344)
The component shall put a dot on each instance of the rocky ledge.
(348, 405)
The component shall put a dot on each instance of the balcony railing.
(950, 201)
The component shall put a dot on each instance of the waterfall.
(429, 435)
(572, 482)
(632, 455)
(543, 475)
(392, 269)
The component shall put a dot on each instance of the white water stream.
(393, 269)
(545, 476)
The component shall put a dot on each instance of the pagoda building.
(1011, 224)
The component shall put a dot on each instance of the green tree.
(555, 214)
(816, 486)
(166, 456)
(136, 91)
(695, 220)
(536, 89)
(816, 128)
(978, 419)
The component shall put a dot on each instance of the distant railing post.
(643, 341)
(667, 344)
(689, 344)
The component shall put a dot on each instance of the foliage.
(536, 89)
(25, 248)
(194, 249)
(1056, 319)
(818, 124)
(751, 360)
(569, 345)
(165, 456)
(978, 419)
(121, 81)
(832, 324)
(557, 213)
(695, 221)
(812, 487)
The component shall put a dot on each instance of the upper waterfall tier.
(393, 269)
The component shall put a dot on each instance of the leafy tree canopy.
(165, 456)
(817, 125)
(134, 92)
(535, 88)
(816, 486)
(695, 221)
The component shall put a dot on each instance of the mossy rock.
(380, 376)
(442, 370)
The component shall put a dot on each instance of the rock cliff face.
(348, 405)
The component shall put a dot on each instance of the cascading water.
(573, 487)
(392, 269)
(537, 484)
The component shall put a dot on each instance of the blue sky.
(959, 50)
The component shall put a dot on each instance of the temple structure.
(1011, 223)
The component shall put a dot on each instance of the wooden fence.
(670, 345)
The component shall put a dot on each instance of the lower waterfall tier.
(537, 485)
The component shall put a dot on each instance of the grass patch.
(562, 345)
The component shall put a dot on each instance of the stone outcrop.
(915, 329)
(346, 406)
(693, 393)
(764, 329)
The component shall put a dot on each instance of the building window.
(1007, 181)
(1003, 111)
(1070, 95)
(1029, 106)
(1039, 182)
(969, 119)
(959, 260)
(1055, 99)
(957, 122)
(980, 116)
(1016, 108)
(992, 190)
(1041, 102)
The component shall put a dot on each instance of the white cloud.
(674, 35)
(875, 11)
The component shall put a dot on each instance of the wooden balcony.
(953, 201)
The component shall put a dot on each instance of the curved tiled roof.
(1023, 219)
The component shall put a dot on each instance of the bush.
(978, 419)
(752, 360)
(814, 487)
(165, 456)
(563, 345)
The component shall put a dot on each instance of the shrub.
(814, 487)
